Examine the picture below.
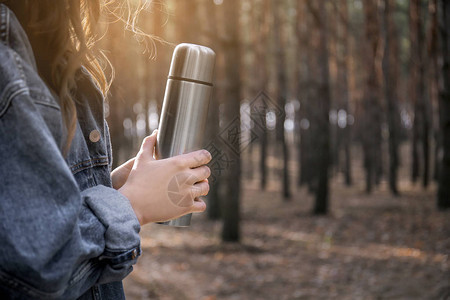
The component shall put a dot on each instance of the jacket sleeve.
(56, 242)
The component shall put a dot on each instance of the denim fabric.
(64, 231)
(112, 290)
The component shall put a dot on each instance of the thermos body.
(183, 118)
(185, 107)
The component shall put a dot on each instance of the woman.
(69, 228)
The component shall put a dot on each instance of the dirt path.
(369, 247)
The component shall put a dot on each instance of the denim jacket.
(65, 233)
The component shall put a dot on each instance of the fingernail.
(154, 131)
(208, 154)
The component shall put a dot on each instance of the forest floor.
(369, 247)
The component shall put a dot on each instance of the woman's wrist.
(125, 192)
(120, 175)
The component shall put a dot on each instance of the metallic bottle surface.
(185, 107)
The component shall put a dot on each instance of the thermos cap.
(193, 63)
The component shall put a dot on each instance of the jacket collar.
(13, 35)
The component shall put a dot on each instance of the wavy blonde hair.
(69, 27)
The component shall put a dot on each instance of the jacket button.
(94, 136)
(134, 254)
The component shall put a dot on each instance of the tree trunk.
(372, 107)
(421, 130)
(433, 80)
(230, 203)
(322, 107)
(209, 38)
(415, 161)
(390, 71)
(116, 111)
(413, 81)
(444, 97)
(187, 21)
(423, 95)
(281, 95)
(302, 93)
(261, 66)
(308, 157)
(343, 88)
(162, 60)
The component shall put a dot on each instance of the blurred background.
(330, 134)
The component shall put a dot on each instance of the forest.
(329, 128)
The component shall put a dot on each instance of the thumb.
(148, 146)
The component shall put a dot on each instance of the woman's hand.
(120, 174)
(161, 190)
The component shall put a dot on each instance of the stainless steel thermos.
(185, 106)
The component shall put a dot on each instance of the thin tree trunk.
(322, 135)
(444, 103)
(147, 83)
(308, 104)
(161, 62)
(433, 54)
(230, 203)
(421, 125)
(210, 39)
(263, 158)
(423, 95)
(302, 90)
(390, 72)
(336, 137)
(116, 114)
(261, 58)
(415, 164)
(421, 130)
(372, 108)
(281, 97)
(187, 22)
(343, 93)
